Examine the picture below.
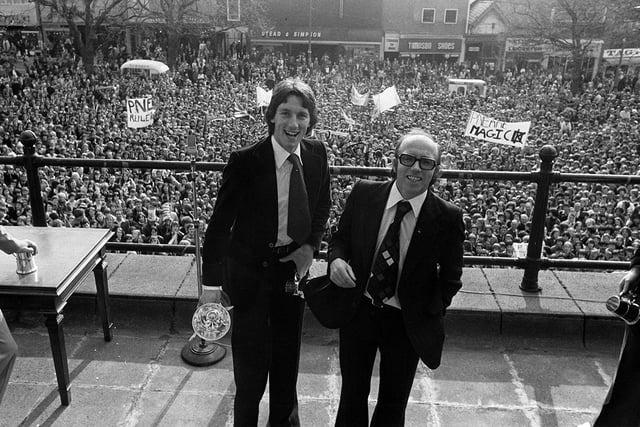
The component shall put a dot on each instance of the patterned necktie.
(384, 273)
(298, 216)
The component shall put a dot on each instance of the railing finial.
(548, 153)
(29, 139)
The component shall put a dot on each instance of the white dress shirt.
(283, 174)
(407, 226)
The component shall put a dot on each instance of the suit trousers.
(265, 340)
(622, 404)
(371, 330)
(8, 354)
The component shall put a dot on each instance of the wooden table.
(65, 256)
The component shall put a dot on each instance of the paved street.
(140, 379)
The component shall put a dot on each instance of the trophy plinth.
(198, 352)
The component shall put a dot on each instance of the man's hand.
(25, 246)
(302, 257)
(214, 294)
(342, 274)
(630, 281)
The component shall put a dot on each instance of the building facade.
(330, 27)
(19, 24)
(485, 42)
(427, 29)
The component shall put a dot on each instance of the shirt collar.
(416, 203)
(280, 154)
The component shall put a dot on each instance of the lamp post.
(624, 40)
(309, 38)
(41, 28)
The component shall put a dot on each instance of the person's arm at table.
(10, 245)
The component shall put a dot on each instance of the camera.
(626, 306)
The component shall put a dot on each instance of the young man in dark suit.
(622, 404)
(268, 220)
(400, 245)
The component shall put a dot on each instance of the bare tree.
(570, 25)
(175, 17)
(623, 23)
(85, 18)
(180, 17)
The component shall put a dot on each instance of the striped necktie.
(384, 273)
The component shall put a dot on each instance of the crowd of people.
(80, 116)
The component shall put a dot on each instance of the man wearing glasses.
(401, 246)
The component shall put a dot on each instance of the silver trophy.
(211, 321)
(26, 263)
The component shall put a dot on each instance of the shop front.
(321, 41)
(535, 53)
(442, 49)
(19, 27)
(485, 51)
(627, 59)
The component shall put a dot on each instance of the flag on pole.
(263, 97)
(348, 119)
(239, 112)
(385, 101)
(357, 98)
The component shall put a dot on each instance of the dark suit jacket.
(244, 226)
(622, 404)
(432, 267)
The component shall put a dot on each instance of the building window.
(451, 16)
(428, 16)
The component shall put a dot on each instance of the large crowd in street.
(78, 116)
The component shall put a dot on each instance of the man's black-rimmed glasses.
(425, 164)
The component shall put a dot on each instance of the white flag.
(263, 97)
(357, 98)
(386, 100)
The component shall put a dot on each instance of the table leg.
(56, 337)
(102, 292)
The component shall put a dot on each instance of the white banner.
(357, 98)
(331, 133)
(487, 129)
(520, 250)
(263, 97)
(140, 112)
